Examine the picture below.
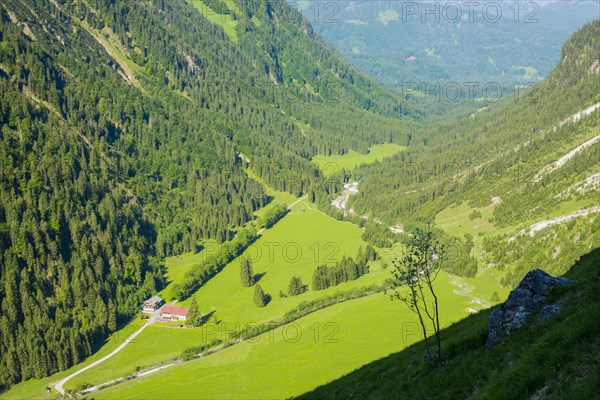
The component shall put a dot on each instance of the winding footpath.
(60, 385)
(297, 201)
(152, 370)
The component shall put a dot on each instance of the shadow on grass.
(551, 356)
(259, 276)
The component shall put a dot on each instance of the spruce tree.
(112, 316)
(495, 297)
(320, 278)
(260, 299)
(351, 269)
(296, 287)
(246, 272)
(371, 254)
(360, 256)
(194, 315)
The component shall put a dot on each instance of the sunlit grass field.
(319, 347)
(295, 246)
(234, 307)
(308, 235)
(158, 343)
(333, 164)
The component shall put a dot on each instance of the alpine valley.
(204, 199)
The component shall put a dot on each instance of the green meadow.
(299, 356)
(455, 221)
(271, 366)
(293, 247)
(158, 343)
(223, 20)
(333, 164)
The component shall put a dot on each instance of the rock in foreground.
(524, 301)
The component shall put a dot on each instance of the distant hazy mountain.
(446, 41)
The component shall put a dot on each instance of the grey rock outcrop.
(523, 302)
(550, 311)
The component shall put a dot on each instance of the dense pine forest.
(126, 129)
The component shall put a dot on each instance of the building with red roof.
(170, 312)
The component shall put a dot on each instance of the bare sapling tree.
(414, 275)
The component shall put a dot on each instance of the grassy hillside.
(554, 359)
(319, 238)
(273, 367)
(219, 17)
(371, 324)
(295, 246)
(232, 305)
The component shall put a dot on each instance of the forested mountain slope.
(121, 128)
(449, 156)
(530, 157)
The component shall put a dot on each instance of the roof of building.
(169, 309)
(154, 299)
